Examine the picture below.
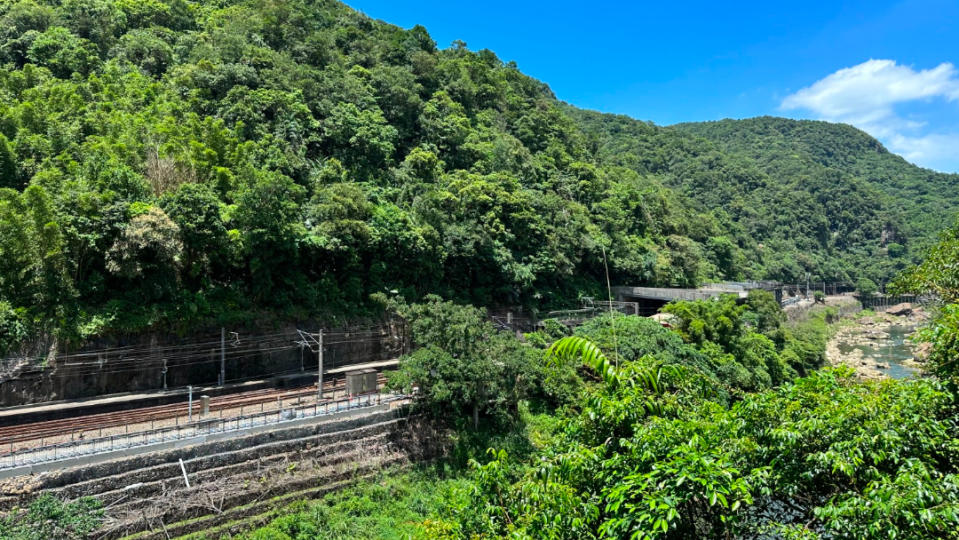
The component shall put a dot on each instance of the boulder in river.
(901, 310)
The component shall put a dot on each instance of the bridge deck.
(663, 294)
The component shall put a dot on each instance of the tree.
(741, 356)
(34, 267)
(268, 217)
(937, 274)
(9, 176)
(63, 52)
(196, 211)
(149, 251)
(630, 338)
(445, 123)
(463, 365)
(769, 315)
(361, 139)
(867, 287)
(145, 49)
(19, 26)
(13, 329)
(895, 250)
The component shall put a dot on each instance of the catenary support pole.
(319, 364)
(222, 356)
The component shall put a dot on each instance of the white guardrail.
(99, 445)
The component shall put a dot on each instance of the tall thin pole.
(185, 479)
(609, 294)
(222, 356)
(319, 364)
(190, 406)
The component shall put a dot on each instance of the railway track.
(73, 427)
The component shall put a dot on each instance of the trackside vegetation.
(704, 431)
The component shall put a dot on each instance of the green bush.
(48, 517)
(867, 287)
(465, 367)
(846, 459)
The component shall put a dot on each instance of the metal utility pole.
(222, 356)
(319, 378)
(308, 340)
(190, 404)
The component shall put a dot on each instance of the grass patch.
(406, 504)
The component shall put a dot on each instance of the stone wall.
(136, 363)
(233, 478)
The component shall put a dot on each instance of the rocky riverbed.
(878, 346)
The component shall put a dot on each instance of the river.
(895, 351)
(877, 345)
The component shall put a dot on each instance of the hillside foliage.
(171, 162)
(702, 431)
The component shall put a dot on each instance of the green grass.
(406, 504)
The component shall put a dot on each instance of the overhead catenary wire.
(212, 344)
(129, 359)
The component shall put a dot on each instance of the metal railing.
(99, 445)
(791, 300)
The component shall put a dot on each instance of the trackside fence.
(100, 445)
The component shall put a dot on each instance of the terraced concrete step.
(77, 468)
(195, 514)
(343, 452)
(125, 471)
(200, 500)
(120, 482)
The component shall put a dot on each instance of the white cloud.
(865, 96)
(930, 150)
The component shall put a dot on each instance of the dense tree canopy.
(857, 209)
(172, 162)
(665, 439)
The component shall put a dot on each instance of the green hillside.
(173, 163)
(918, 202)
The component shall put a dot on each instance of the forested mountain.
(174, 162)
(917, 203)
(817, 197)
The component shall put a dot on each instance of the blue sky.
(890, 68)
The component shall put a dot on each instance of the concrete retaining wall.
(229, 472)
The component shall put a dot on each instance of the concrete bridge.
(655, 297)
(663, 294)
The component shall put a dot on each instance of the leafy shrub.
(867, 287)
(846, 458)
(48, 517)
(465, 366)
